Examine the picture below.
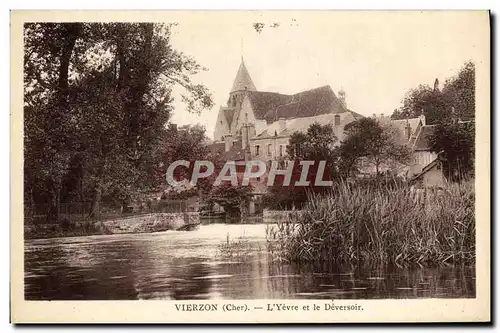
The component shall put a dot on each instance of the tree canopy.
(455, 99)
(97, 99)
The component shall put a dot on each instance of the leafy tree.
(455, 100)
(459, 92)
(366, 138)
(422, 100)
(97, 99)
(230, 197)
(455, 142)
(317, 144)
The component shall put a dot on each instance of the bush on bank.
(391, 225)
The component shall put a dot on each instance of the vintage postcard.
(250, 166)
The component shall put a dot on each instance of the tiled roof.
(273, 106)
(264, 104)
(234, 154)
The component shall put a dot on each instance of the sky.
(374, 57)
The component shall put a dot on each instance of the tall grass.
(355, 223)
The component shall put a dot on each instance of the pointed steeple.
(243, 81)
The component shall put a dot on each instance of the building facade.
(258, 125)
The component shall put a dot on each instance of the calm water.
(191, 265)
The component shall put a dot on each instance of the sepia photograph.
(283, 156)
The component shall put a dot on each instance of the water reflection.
(189, 265)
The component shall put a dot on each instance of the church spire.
(243, 81)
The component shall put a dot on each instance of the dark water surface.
(192, 265)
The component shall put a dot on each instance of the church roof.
(273, 106)
(243, 81)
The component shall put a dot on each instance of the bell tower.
(242, 83)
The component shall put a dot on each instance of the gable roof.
(273, 106)
(356, 115)
(235, 153)
(428, 167)
(243, 81)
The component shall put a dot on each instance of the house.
(431, 175)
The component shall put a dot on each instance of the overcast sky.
(374, 57)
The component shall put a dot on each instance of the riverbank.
(131, 225)
(354, 224)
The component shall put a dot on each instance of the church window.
(337, 120)
(281, 150)
(269, 149)
(257, 150)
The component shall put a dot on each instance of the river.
(193, 265)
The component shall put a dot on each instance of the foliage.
(377, 144)
(317, 144)
(456, 99)
(386, 225)
(455, 142)
(97, 98)
(229, 197)
(239, 248)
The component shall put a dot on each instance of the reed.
(391, 225)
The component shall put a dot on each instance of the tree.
(367, 139)
(455, 142)
(455, 100)
(422, 100)
(317, 144)
(459, 92)
(97, 99)
(230, 197)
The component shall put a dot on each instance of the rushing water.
(192, 265)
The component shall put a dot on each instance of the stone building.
(258, 125)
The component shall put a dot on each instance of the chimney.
(228, 140)
(282, 124)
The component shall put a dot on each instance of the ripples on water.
(189, 265)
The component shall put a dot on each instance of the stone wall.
(151, 222)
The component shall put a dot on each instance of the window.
(281, 150)
(337, 119)
(257, 150)
(269, 149)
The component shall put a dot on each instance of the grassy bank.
(355, 223)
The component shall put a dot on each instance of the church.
(258, 124)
